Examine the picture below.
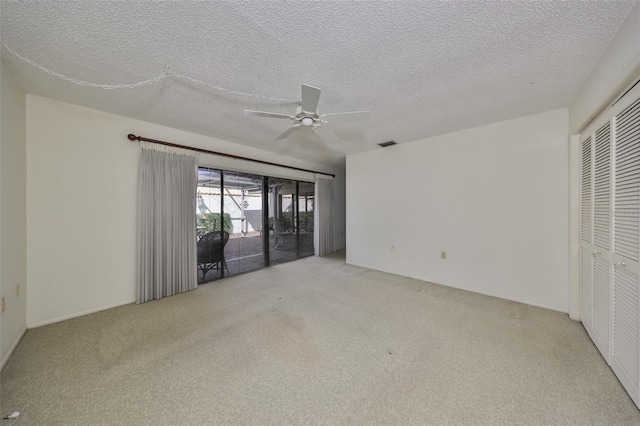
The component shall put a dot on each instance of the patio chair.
(269, 226)
(211, 252)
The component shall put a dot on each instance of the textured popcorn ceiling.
(421, 68)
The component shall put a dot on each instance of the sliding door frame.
(265, 220)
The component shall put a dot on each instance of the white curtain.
(323, 218)
(167, 183)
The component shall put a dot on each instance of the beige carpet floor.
(315, 341)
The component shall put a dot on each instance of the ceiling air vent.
(386, 144)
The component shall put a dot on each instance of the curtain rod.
(133, 137)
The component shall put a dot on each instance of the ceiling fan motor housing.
(301, 115)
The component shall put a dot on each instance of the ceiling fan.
(307, 115)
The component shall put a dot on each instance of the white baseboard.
(470, 289)
(510, 299)
(13, 348)
(79, 314)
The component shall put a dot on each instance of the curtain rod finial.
(133, 137)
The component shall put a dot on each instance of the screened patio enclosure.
(268, 221)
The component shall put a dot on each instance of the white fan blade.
(344, 117)
(267, 114)
(325, 134)
(287, 132)
(310, 98)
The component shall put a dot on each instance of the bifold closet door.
(625, 361)
(625, 258)
(586, 227)
(610, 239)
(601, 276)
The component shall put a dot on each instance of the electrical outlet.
(2, 305)
(393, 247)
(443, 255)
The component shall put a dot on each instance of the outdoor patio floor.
(245, 254)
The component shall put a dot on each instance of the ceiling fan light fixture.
(307, 116)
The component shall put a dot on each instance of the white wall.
(495, 198)
(13, 246)
(81, 201)
(617, 68)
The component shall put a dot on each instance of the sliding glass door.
(283, 244)
(242, 195)
(306, 192)
(246, 222)
(210, 226)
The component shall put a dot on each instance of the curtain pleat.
(323, 218)
(167, 184)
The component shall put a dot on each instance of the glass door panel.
(208, 225)
(242, 206)
(283, 238)
(306, 192)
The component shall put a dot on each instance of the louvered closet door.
(625, 258)
(586, 226)
(601, 279)
(586, 290)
